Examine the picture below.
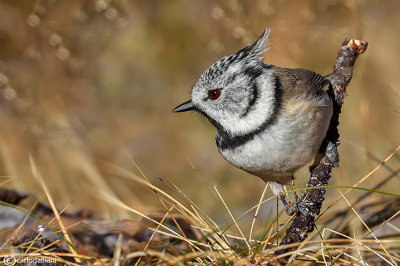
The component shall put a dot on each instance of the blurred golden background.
(87, 83)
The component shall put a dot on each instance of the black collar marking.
(227, 142)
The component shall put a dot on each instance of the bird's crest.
(252, 52)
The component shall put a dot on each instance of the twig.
(311, 200)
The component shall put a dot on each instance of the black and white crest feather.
(252, 52)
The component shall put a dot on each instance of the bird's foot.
(292, 208)
(298, 207)
(301, 207)
(332, 153)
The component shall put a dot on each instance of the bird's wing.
(300, 81)
(309, 81)
(318, 81)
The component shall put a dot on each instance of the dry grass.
(217, 246)
(85, 86)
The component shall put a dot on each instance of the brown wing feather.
(300, 81)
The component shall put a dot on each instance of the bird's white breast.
(287, 145)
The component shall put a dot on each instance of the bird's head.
(235, 94)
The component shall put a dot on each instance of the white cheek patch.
(261, 111)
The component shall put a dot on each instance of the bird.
(270, 121)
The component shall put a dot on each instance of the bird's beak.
(186, 106)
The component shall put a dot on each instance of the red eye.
(214, 94)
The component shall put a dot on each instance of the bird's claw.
(332, 153)
(297, 207)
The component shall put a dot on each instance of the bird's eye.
(214, 94)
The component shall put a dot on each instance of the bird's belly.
(284, 148)
(269, 158)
